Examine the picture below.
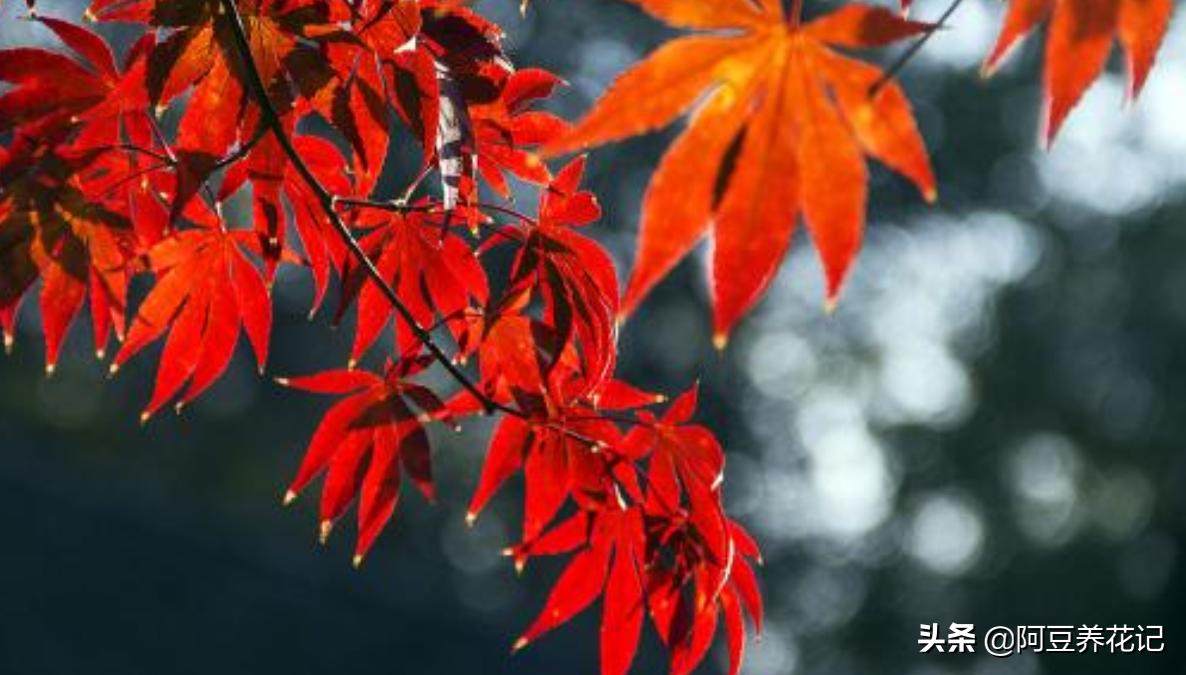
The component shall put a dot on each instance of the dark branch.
(906, 56)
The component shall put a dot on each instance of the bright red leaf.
(206, 289)
(1078, 43)
(571, 274)
(434, 271)
(364, 443)
(782, 131)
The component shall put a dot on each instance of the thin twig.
(136, 149)
(795, 14)
(400, 206)
(160, 138)
(393, 205)
(414, 185)
(242, 151)
(431, 209)
(913, 49)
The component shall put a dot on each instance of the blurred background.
(989, 430)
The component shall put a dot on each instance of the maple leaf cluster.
(96, 192)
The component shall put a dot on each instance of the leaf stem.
(912, 51)
(401, 206)
(242, 150)
(414, 185)
(160, 138)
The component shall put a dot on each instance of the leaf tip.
(352, 363)
(720, 341)
(519, 644)
(324, 530)
(50, 367)
(470, 518)
(830, 304)
(112, 370)
(282, 381)
(357, 561)
(930, 194)
(100, 354)
(519, 561)
(9, 341)
(289, 498)
(144, 417)
(1049, 133)
(89, 16)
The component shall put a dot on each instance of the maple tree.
(95, 194)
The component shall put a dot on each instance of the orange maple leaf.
(783, 128)
(1080, 39)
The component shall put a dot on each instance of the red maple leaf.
(281, 198)
(433, 270)
(507, 128)
(782, 131)
(1078, 43)
(380, 54)
(90, 94)
(661, 546)
(200, 53)
(557, 441)
(60, 226)
(571, 274)
(364, 442)
(206, 289)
